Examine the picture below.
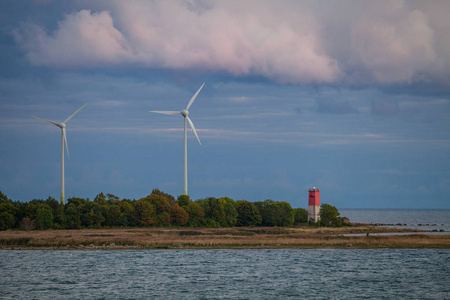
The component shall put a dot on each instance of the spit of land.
(359, 236)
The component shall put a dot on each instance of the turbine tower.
(184, 113)
(62, 125)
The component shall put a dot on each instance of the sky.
(351, 97)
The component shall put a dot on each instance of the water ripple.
(225, 274)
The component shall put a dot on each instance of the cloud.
(175, 36)
(296, 42)
(396, 46)
(82, 39)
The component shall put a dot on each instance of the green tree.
(8, 213)
(329, 215)
(112, 214)
(53, 204)
(168, 197)
(196, 214)
(96, 216)
(183, 200)
(160, 203)
(163, 219)
(72, 216)
(100, 199)
(285, 214)
(229, 207)
(7, 220)
(275, 213)
(44, 217)
(3, 198)
(144, 215)
(214, 211)
(178, 215)
(60, 220)
(26, 210)
(127, 213)
(248, 214)
(300, 216)
(268, 211)
(78, 202)
(112, 199)
(161, 206)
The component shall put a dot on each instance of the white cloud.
(294, 42)
(83, 39)
(396, 46)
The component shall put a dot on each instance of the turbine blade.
(67, 120)
(195, 96)
(165, 112)
(193, 129)
(65, 141)
(51, 122)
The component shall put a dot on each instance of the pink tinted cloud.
(293, 42)
(82, 39)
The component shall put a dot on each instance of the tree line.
(158, 209)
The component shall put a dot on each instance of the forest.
(158, 209)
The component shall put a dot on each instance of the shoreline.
(352, 237)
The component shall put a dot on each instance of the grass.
(217, 238)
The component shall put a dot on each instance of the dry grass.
(157, 238)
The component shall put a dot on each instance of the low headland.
(160, 221)
(359, 236)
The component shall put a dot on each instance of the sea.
(232, 274)
(424, 219)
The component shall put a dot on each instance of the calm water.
(435, 218)
(226, 274)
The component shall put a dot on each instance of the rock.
(320, 231)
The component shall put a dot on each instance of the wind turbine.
(184, 113)
(62, 125)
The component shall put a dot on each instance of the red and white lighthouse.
(314, 205)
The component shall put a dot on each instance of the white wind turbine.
(62, 125)
(185, 113)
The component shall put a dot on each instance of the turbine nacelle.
(184, 113)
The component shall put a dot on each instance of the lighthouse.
(314, 205)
